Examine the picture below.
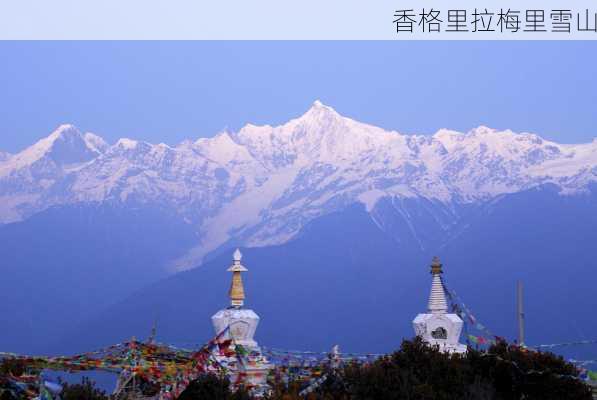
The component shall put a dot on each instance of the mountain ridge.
(260, 185)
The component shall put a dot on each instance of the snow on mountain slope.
(29, 177)
(262, 184)
(95, 143)
(65, 146)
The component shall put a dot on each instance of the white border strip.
(252, 19)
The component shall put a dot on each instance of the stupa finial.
(436, 266)
(237, 291)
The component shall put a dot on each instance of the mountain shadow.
(346, 281)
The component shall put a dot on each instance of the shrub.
(86, 390)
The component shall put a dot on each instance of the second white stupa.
(438, 327)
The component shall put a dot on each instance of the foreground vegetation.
(414, 372)
(419, 372)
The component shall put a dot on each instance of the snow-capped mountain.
(262, 184)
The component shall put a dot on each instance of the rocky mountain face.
(260, 186)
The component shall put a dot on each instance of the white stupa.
(252, 368)
(437, 326)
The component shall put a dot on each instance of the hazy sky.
(171, 91)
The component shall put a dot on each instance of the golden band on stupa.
(436, 266)
(237, 290)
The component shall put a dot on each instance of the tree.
(207, 386)
(12, 366)
(213, 387)
(85, 390)
(517, 372)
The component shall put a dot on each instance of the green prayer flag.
(241, 350)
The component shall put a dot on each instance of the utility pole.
(152, 336)
(520, 313)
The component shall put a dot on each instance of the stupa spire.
(237, 291)
(437, 298)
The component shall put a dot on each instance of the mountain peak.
(63, 134)
(64, 130)
(482, 130)
(319, 115)
(96, 142)
(318, 103)
(127, 143)
(320, 111)
(65, 145)
(319, 107)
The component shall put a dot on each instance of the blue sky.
(171, 91)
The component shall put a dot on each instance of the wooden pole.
(520, 312)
